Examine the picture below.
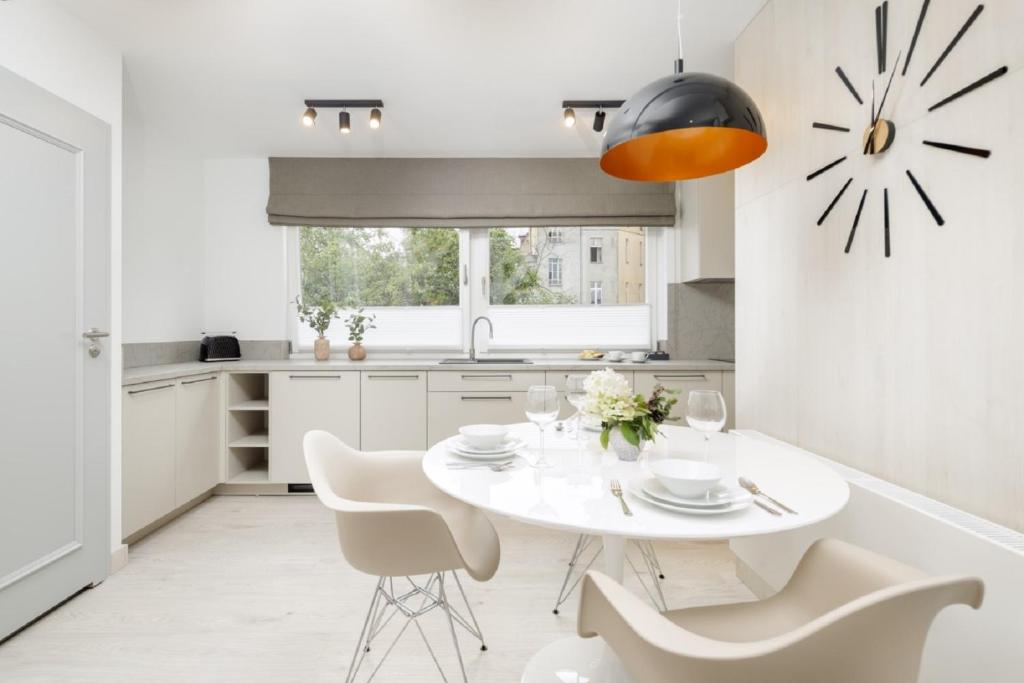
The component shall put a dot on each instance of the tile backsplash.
(702, 321)
(163, 353)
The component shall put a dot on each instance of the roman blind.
(461, 193)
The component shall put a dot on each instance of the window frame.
(474, 295)
(555, 266)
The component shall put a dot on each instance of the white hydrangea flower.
(608, 396)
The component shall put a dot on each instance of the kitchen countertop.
(153, 373)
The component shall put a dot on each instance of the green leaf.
(629, 433)
(605, 433)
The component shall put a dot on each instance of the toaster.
(219, 347)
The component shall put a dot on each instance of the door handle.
(477, 378)
(314, 376)
(392, 377)
(197, 381)
(94, 333)
(486, 398)
(682, 377)
(142, 391)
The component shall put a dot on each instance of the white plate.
(636, 490)
(508, 445)
(720, 495)
(503, 454)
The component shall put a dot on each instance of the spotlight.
(344, 123)
(375, 118)
(598, 121)
(569, 117)
(309, 118)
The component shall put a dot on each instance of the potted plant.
(628, 421)
(318, 317)
(358, 324)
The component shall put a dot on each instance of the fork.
(494, 467)
(617, 492)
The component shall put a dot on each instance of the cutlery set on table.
(484, 447)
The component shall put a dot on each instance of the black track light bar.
(345, 104)
(592, 104)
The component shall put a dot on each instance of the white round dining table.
(574, 495)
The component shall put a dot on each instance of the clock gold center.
(879, 137)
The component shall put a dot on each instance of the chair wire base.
(412, 603)
(582, 555)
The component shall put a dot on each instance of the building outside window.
(555, 234)
(625, 252)
(595, 250)
(595, 293)
(554, 271)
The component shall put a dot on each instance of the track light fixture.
(569, 108)
(344, 119)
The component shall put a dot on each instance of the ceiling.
(458, 77)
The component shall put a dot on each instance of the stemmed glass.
(576, 394)
(705, 412)
(541, 410)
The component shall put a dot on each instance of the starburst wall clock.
(880, 135)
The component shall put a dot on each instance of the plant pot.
(356, 352)
(322, 348)
(626, 451)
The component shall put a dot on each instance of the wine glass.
(576, 394)
(705, 412)
(541, 410)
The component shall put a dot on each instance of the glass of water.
(705, 412)
(541, 410)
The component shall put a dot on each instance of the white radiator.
(963, 645)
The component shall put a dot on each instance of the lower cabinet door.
(450, 410)
(303, 401)
(147, 464)
(393, 412)
(199, 421)
(681, 381)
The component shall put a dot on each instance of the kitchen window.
(544, 289)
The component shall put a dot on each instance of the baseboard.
(752, 580)
(169, 517)
(118, 558)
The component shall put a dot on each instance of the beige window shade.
(460, 193)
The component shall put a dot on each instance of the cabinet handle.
(486, 398)
(682, 377)
(314, 376)
(479, 377)
(142, 391)
(392, 377)
(197, 381)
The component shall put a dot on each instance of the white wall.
(908, 368)
(41, 43)
(246, 286)
(163, 232)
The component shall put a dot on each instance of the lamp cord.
(679, 26)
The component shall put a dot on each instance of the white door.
(55, 405)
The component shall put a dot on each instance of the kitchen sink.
(484, 361)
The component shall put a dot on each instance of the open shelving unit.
(248, 419)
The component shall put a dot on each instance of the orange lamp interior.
(683, 154)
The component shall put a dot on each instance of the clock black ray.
(829, 126)
(835, 201)
(826, 167)
(917, 32)
(973, 151)
(952, 43)
(881, 33)
(856, 220)
(924, 197)
(849, 86)
(885, 200)
(1001, 71)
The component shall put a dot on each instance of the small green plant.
(318, 316)
(358, 324)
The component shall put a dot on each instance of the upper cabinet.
(706, 234)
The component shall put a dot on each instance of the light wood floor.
(255, 589)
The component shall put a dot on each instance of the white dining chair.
(394, 524)
(846, 616)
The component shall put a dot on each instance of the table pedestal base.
(575, 660)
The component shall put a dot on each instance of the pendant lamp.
(684, 126)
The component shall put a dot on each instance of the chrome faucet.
(472, 336)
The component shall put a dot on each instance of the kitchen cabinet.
(484, 380)
(303, 401)
(706, 237)
(148, 453)
(681, 381)
(450, 410)
(393, 410)
(197, 436)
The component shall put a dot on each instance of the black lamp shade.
(684, 126)
(344, 122)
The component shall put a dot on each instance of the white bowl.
(483, 437)
(686, 478)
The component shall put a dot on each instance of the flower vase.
(322, 348)
(356, 351)
(626, 451)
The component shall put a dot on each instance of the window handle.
(465, 274)
(483, 285)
